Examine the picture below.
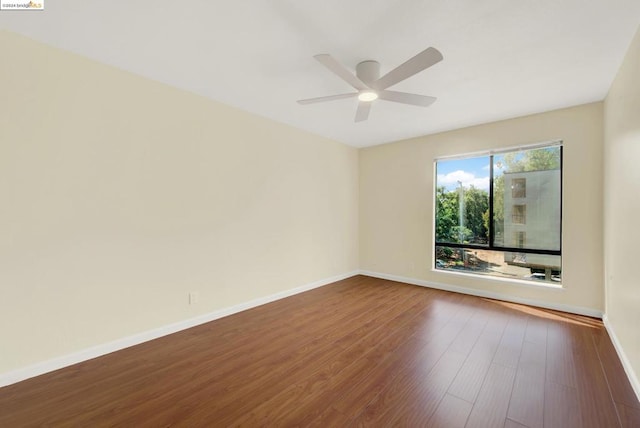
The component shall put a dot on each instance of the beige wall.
(120, 195)
(396, 203)
(622, 205)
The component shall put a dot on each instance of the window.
(519, 188)
(519, 214)
(483, 224)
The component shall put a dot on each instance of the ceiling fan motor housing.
(368, 72)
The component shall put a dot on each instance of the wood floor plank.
(317, 386)
(598, 411)
(510, 346)
(328, 417)
(490, 409)
(560, 356)
(621, 389)
(469, 380)
(536, 331)
(629, 416)
(513, 424)
(361, 351)
(388, 361)
(452, 412)
(413, 396)
(430, 392)
(466, 340)
(561, 409)
(527, 399)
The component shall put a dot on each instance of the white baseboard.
(488, 294)
(626, 364)
(116, 345)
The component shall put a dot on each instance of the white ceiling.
(502, 58)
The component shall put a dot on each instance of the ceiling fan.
(371, 86)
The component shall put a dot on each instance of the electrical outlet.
(193, 297)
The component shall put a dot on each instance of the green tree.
(498, 210)
(532, 160)
(446, 214)
(476, 203)
(448, 228)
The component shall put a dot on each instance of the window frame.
(491, 245)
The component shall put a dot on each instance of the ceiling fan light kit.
(371, 86)
(367, 96)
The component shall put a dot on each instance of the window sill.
(513, 281)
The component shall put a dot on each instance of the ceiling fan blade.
(328, 98)
(363, 111)
(339, 69)
(422, 61)
(405, 98)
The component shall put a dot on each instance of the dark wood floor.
(360, 352)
